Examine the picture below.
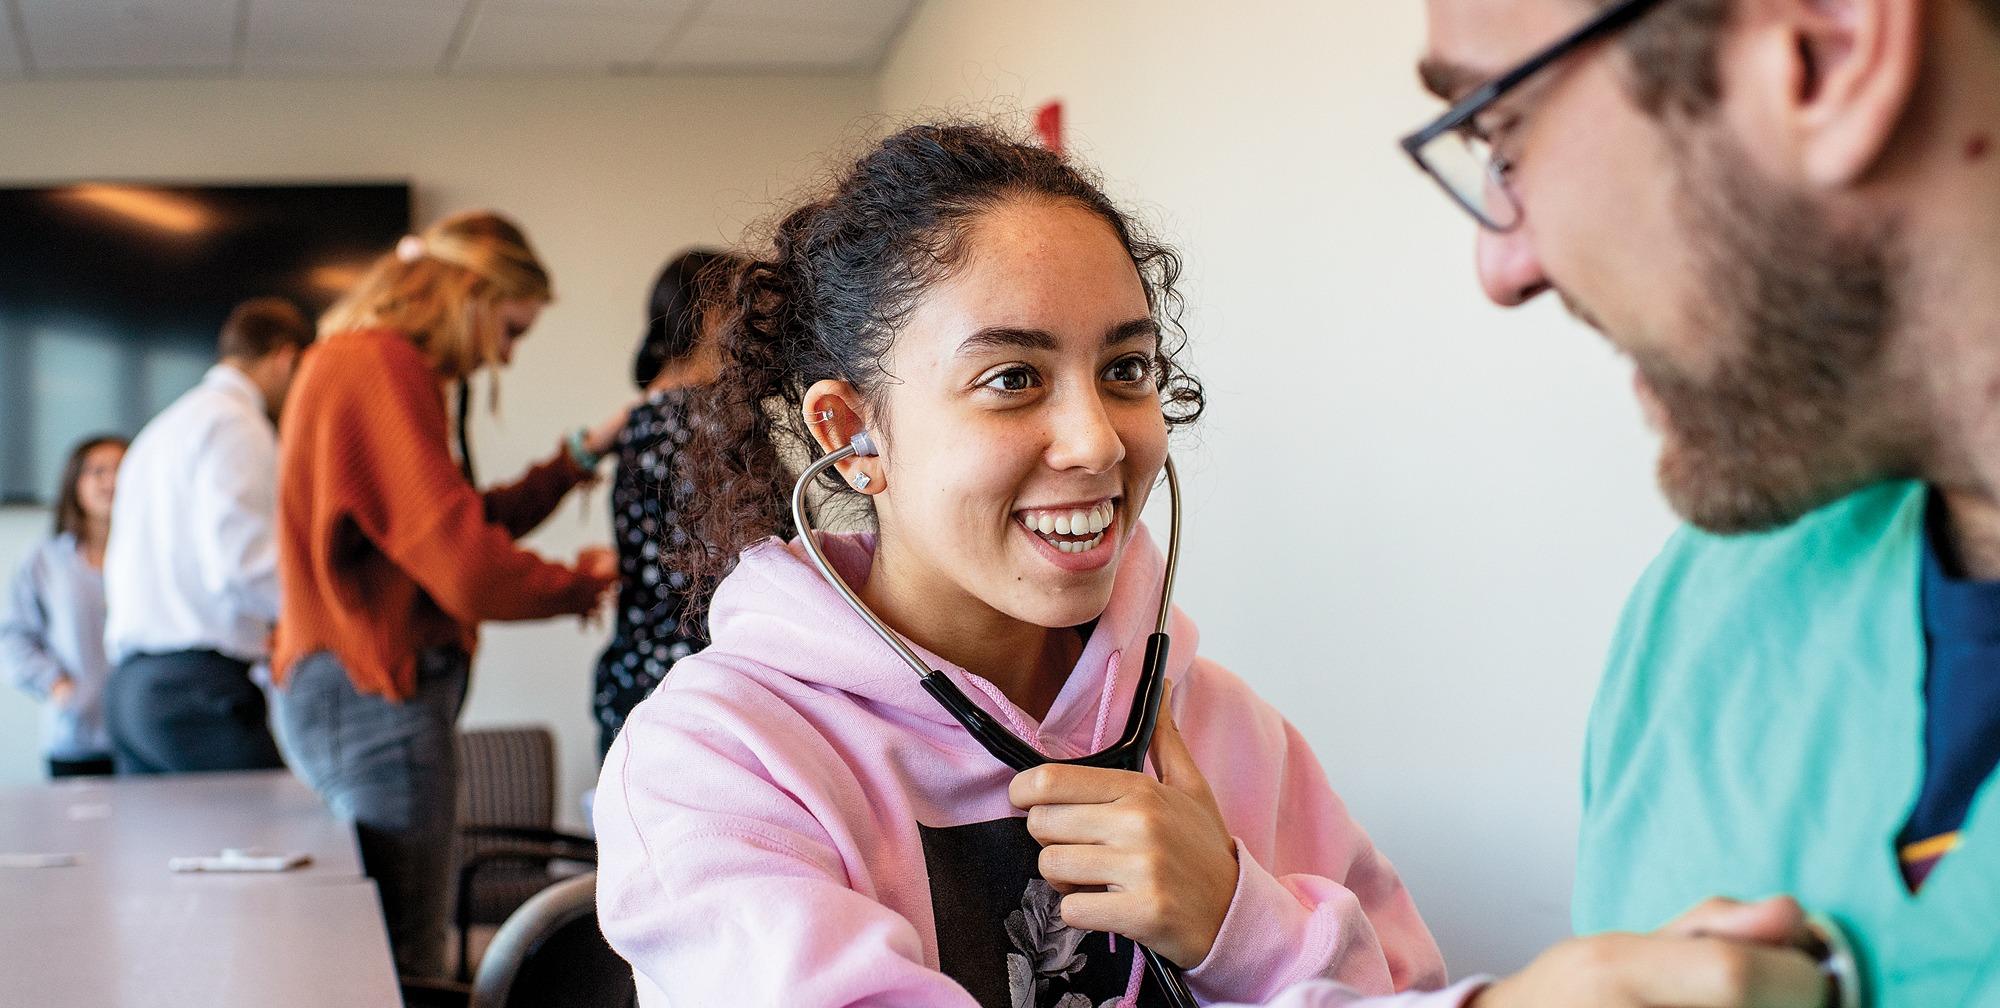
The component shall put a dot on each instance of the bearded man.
(1787, 213)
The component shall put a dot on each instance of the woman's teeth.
(1090, 522)
(1081, 547)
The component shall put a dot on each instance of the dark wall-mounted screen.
(111, 295)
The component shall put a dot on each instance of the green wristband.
(580, 453)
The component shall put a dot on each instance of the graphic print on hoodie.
(1000, 931)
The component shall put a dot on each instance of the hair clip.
(411, 248)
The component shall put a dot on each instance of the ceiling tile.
(502, 40)
(130, 35)
(301, 35)
(360, 37)
(877, 17)
(663, 11)
(729, 47)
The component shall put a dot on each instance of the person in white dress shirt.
(191, 570)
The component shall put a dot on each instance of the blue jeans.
(393, 769)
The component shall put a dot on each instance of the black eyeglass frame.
(1604, 22)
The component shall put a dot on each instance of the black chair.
(551, 954)
(509, 849)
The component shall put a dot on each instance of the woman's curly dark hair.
(827, 298)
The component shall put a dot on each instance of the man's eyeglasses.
(1455, 152)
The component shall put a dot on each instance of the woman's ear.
(834, 414)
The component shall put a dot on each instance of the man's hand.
(1721, 954)
(1147, 859)
(1778, 922)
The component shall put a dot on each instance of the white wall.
(609, 177)
(1412, 517)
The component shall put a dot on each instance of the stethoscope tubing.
(1128, 753)
(1839, 963)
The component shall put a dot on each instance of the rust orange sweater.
(384, 548)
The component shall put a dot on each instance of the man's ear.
(1827, 83)
(835, 412)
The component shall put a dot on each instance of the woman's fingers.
(1142, 915)
(1070, 867)
(1113, 912)
(1080, 824)
(1061, 784)
(604, 437)
(1170, 754)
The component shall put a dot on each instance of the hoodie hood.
(776, 611)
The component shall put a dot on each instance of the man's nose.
(1510, 271)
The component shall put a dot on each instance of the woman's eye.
(1131, 370)
(1013, 379)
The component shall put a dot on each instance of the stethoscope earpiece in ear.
(862, 444)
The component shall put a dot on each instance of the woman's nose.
(1084, 437)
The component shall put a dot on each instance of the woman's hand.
(602, 438)
(1147, 859)
(599, 563)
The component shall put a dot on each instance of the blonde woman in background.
(391, 558)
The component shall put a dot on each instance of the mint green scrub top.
(1760, 731)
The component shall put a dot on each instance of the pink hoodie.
(791, 820)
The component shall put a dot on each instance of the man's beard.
(1799, 410)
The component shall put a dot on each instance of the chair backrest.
(507, 777)
(551, 953)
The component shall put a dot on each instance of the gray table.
(126, 828)
(298, 946)
(118, 930)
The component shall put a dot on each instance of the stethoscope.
(1128, 753)
(1838, 963)
(1837, 960)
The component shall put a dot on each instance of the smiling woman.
(1000, 337)
(897, 225)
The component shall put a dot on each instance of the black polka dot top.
(648, 633)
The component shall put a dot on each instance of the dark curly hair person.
(651, 626)
(790, 818)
